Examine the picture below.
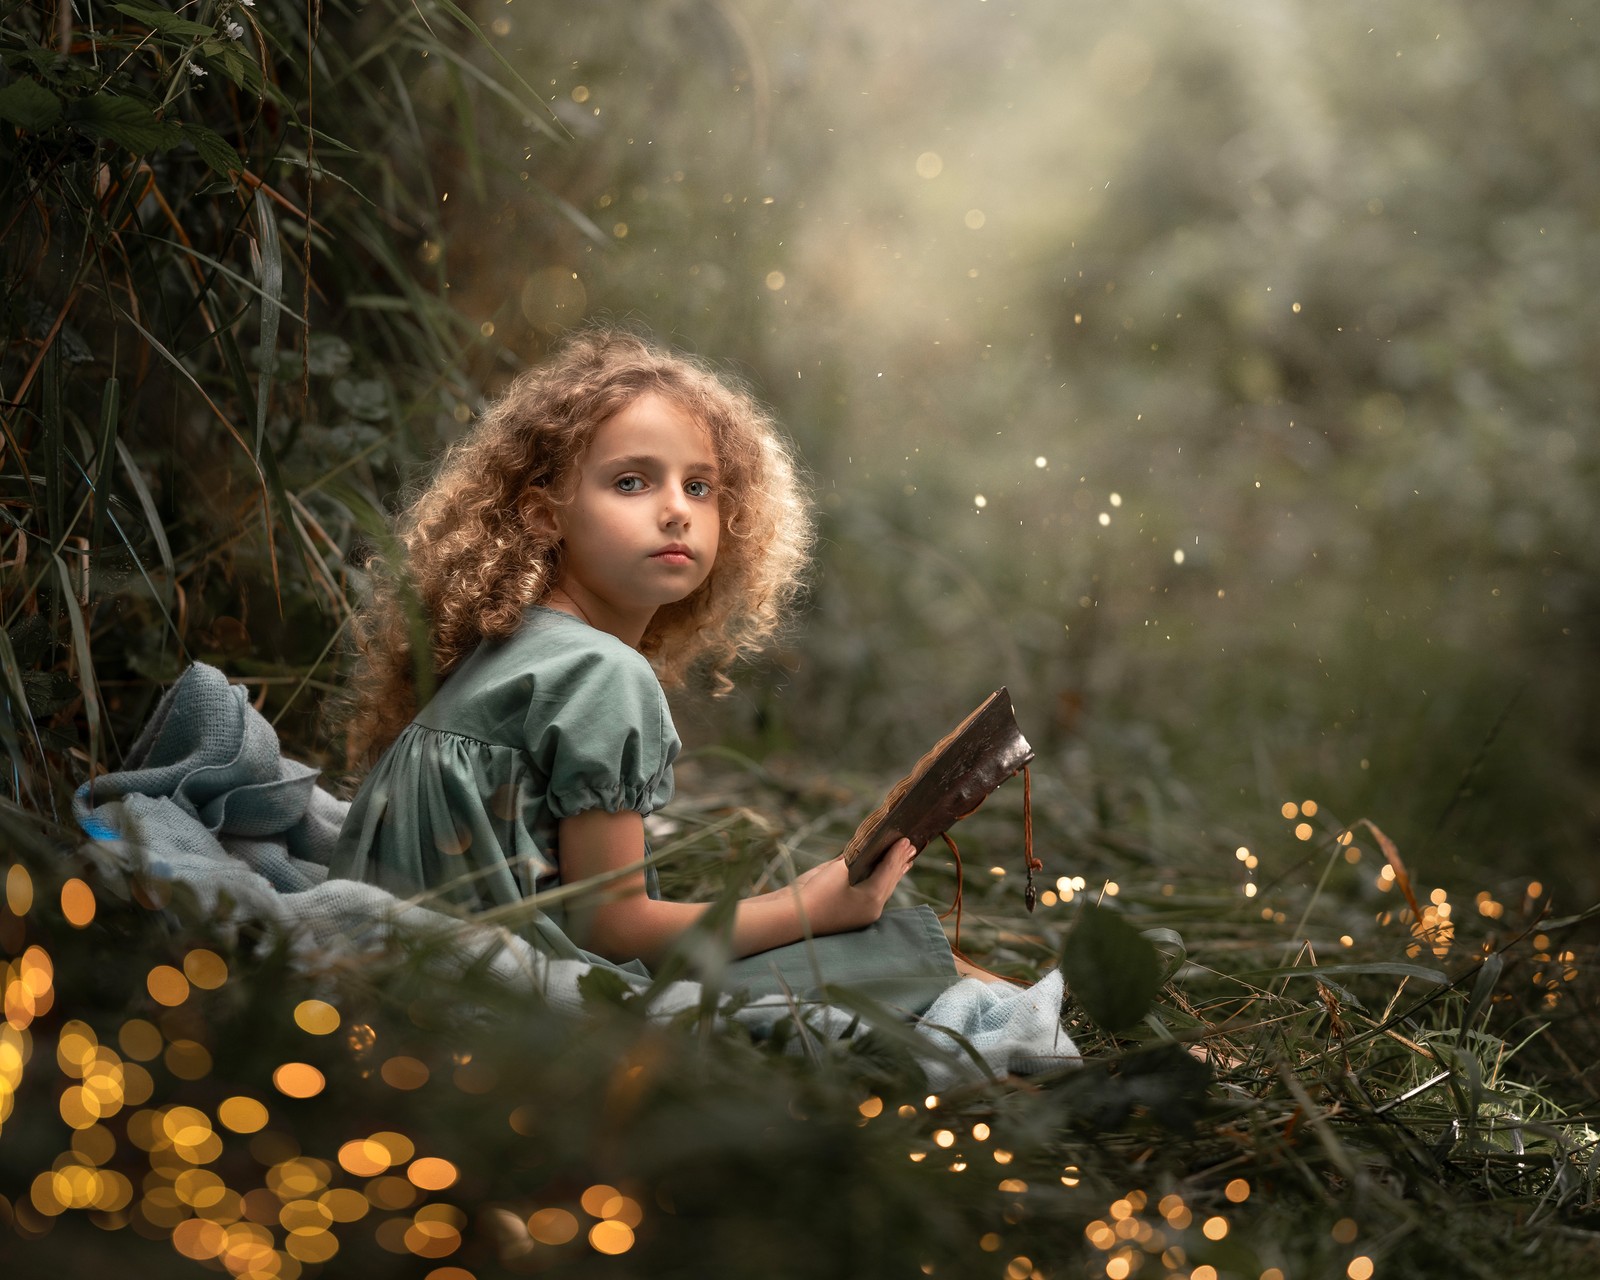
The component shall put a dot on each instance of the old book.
(948, 783)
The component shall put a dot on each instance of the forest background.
(1218, 377)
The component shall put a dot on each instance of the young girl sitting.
(618, 517)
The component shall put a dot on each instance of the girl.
(618, 517)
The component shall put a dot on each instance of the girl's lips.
(676, 554)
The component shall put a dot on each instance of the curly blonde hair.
(479, 546)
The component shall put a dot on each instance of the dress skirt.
(902, 961)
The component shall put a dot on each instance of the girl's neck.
(563, 602)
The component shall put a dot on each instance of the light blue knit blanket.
(206, 799)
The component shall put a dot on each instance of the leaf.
(47, 692)
(84, 660)
(1112, 970)
(152, 518)
(1483, 988)
(214, 149)
(28, 104)
(1169, 942)
(165, 22)
(126, 121)
(1392, 854)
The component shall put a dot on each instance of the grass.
(1334, 1090)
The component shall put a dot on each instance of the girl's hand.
(834, 905)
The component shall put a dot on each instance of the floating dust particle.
(929, 165)
(775, 280)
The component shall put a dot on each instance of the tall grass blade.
(83, 660)
(270, 268)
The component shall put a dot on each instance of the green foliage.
(1291, 1115)
(1113, 971)
(217, 297)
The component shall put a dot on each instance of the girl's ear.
(538, 517)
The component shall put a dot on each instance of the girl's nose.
(675, 508)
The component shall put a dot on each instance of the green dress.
(465, 805)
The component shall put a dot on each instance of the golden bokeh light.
(19, 890)
(1290, 809)
(205, 969)
(1215, 1228)
(364, 1157)
(432, 1173)
(242, 1114)
(1345, 1231)
(1360, 1268)
(552, 1226)
(139, 1040)
(404, 1073)
(611, 1237)
(298, 1080)
(399, 1147)
(595, 1198)
(871, 1108)
(1237, 1191)
(167, 985)
(316, 1017)
(187, 1060)
(77, 903)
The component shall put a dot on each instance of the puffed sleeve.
(602, 735)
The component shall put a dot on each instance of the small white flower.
(234, 31)
(196, 70)
(248, 4)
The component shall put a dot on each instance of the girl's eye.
(630, 484)
(699, 488)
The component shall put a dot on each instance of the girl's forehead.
(652, 422)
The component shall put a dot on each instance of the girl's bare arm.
(630, 925)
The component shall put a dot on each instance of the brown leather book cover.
(948, 783)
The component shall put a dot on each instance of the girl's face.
(644, 523)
